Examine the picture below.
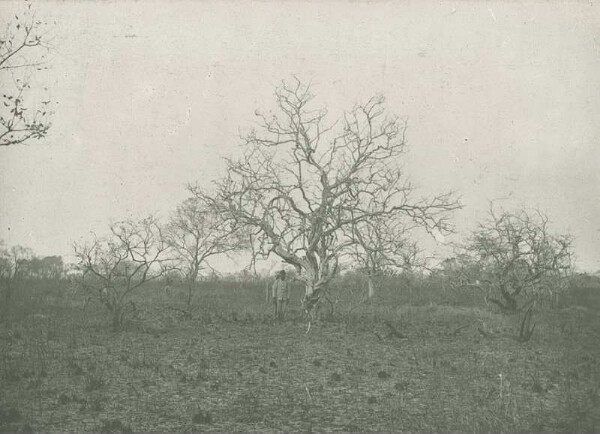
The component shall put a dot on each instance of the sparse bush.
(115, 267)
(513, 254)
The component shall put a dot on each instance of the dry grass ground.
(385, 366)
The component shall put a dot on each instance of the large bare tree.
(516, 254)
(303, 184)
(196, 233)
(114, 267)
(23, 46)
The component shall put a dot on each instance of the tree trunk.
(188, 313)
(371, 292)
(509, 303)
(510, 300)
(117, 319)
(312, 296)
(315, 275)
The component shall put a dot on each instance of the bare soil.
(385, 367)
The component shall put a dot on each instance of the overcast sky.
(502, 102)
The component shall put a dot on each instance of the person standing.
(280, 292)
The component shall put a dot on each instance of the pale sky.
(502, 102)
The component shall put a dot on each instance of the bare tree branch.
(22, 50)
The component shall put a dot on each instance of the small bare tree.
(196, 233)
(12, 265)
(114, 267)
(23, 46)
(517, 255)
(303, 184)
(382, 246)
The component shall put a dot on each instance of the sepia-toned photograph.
(299, 216)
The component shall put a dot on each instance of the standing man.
(280, 294)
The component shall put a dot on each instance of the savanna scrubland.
(500, 337)
(421, 355)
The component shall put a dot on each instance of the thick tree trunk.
(316, 273)
(312, 296)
